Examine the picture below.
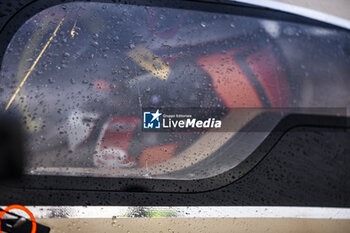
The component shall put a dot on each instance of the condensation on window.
(79, 75)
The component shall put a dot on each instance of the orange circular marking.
(20, 207)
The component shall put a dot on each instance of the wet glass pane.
(81, 75)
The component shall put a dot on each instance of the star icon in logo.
(156, 115)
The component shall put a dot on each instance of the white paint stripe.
(188, 212)
(298, 10)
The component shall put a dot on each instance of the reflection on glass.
(88, 70)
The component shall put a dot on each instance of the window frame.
(55, 182)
